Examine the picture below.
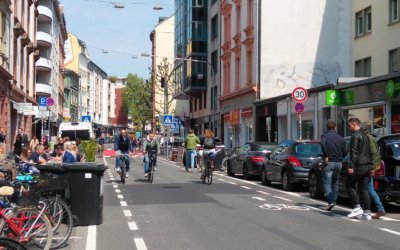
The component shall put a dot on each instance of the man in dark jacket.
(333, 150)
(359, 170)
(123, 146)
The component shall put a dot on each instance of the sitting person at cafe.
(64, 156)
(39, 156)
(24, 154)
(73, 149)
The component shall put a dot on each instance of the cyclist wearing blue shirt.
(123, 145)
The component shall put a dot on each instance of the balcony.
(43, 89)
(44, 64)
(44, 39)
(45, 13)
(195, 84)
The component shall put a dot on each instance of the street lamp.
(193, 60)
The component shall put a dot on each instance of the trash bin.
(174, 156)
(85, 192)
(53, 179)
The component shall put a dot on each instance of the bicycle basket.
(26, 194)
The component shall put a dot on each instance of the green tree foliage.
(137, 99)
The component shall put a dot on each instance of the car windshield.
(392, 140)
(265, 147)
(308, 149)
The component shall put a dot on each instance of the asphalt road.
(177, 211)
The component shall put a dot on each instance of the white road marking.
(123, 204)
(112, 179)
(120, 196)
(245, 187)
(91, 238)
(106, 156)
(390, 231)
(231, 183)
(127, 213)
(117, 191)
(259, 198)
(115, 186)
(132, 226)
(262, 192)
(140, 245)
(388, 219)
(278, 197)
(221, 179)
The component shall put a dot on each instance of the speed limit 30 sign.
(300, 94)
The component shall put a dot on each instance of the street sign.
(167, 119)
(25, 107)
(300, 94)
(174, 125)
(50, 101)
(42, 101)
(86, 118)
(299, 107)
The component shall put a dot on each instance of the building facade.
(239, 71)
(51, 35)
(23, 57)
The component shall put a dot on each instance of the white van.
(74, 130)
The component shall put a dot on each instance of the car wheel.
(314, 188)
(264, 179)
(229, 170)
(286, 185)
(246, 174)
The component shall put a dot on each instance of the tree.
(137, 99)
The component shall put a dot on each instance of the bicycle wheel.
(209, 174)
(123, 169)
(60, 216)
(150, 176)
(28, 226)
(10, 244)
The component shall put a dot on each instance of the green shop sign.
(336, 97)
(392, 88)
(332, 97)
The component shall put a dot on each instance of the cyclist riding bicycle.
(208, 149)
(149, 145)
(123, 146)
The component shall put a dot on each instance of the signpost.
(299, 95)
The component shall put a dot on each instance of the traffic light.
(162, 82)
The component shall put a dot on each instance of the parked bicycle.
(11, 244)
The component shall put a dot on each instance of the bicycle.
(11, 244)
(122, 166)
(152, 158)
(209, 169)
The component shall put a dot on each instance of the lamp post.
(192, 60)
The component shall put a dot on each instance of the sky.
(123, 32)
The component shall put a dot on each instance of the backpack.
(375, 156)
(208, 143)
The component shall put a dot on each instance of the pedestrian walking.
(20, 141)
(359, 170)
(376, 161)
(333, 151)
(190, 144)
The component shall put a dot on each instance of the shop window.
(395, 118)
(307, 130)
(372, 119)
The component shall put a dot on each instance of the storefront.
(277, 119)
(375, 101)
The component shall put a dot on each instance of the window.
(363, 21)
(214, 61)
(394, 60)
(214, 98)
(214, 27)
(363, 67)
(213, 1)
(394, 6)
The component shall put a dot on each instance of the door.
(275, 162)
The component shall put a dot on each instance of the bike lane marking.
(281, 198)
(258, 198)
(390, 231)
(246, 187)
(140, 245)
(128, 213)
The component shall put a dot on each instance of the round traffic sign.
(299, 107)
(299, 94)
(50, 101)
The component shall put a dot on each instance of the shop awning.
(246, 112)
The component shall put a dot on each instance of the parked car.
(249, 158)
(290, 162)
(386, 179)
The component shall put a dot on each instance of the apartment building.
(5, 70)
(239, 71)
(375, 43)
(23, 56)
(191, 74)
(51, 35)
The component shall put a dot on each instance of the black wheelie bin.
(85, 192)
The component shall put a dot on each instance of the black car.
(386, 179)
(290, 162)
(249, 158)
